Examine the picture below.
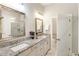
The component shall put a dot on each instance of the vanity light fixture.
(12, 19)
(38, 15)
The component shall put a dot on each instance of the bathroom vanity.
(39, 49)
(25, 46)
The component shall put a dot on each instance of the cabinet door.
(42, 50)
(46, 47)
(33, 53)
(35, 50)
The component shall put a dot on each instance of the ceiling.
(47, 4)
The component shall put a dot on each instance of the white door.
(64, 35)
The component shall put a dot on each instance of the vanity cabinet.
(39, 49)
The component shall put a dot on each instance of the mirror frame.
(39, 33)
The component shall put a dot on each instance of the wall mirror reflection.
(39, 26)
(12, 24)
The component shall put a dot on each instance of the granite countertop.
(6, 50)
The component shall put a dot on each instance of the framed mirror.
(39, 26)
(13, 22)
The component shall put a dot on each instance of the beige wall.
(31, 9)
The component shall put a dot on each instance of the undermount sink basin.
(19, 47)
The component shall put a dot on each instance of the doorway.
(61, 42)
(54, 35)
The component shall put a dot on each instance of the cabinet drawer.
(35, 46)
(35, 52)
(26, 52)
